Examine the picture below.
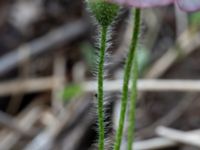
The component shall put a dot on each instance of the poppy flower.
(186, 5)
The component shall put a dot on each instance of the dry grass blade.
(180, 136)
(188, 42)
(57, 37)
(48, 83)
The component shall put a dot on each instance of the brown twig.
(8, 122)
(170, 117)
(25, 121)
(57, 37)
(48, 83)
(187, 43)
(179, 136)
(159, 142)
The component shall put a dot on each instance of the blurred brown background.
(48, 56)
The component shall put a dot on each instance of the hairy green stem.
(100, 88)
(127, 73)
(131, 126)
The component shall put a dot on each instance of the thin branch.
(57, 37)
(48, 83)
(25, 121)
(188, 42)
(8, 122)
(154, 143)
(179, 136)
(150, 85)
(171, 116)
(159, 142)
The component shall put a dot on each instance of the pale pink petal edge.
(189, 5)
(143, 3)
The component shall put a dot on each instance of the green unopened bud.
(103, 11)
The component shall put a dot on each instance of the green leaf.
(71, 91)
(195, 19)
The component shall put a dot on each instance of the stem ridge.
(131, 126)
(100, 95)
(127, 74)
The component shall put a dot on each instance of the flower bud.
(103, 11)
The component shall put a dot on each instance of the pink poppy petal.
(143, 3)
(189, 5)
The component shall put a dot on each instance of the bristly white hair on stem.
(104, 14)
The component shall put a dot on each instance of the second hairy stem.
(100, 88)
(131, 126)
(127, 73)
